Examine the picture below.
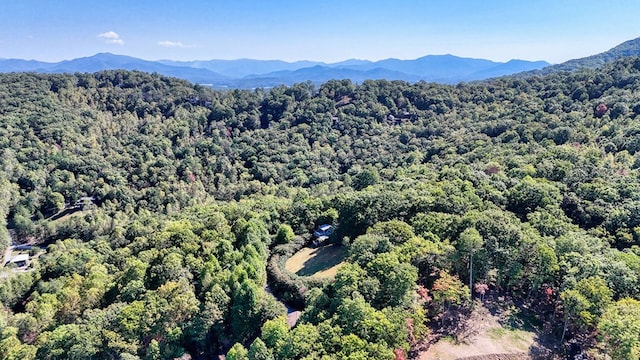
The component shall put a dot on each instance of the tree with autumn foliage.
(448, 293)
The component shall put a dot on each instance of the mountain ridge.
(250, 73)
(624, 49)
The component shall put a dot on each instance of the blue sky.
(327, 30)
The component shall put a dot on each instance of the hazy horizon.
(328, 31)
(254, 59)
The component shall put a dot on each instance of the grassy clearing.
(80, 213)
(322, 262)
(487, 337)
(508, 334)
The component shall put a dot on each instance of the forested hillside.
(626, 49)
(199, 195)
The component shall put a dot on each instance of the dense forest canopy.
(166, 206)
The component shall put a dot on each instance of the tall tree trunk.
(471, 274)
(564, 330)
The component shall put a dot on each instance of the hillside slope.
(197, 198)
(626, 49)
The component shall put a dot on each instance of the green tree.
(153, 351)
(69, 341)
(530, 194)
(366, 177)
(274, 332)
(285, 234)
(365, 248)
(397, 231)
(258, 351)
(11, 348)
(350, 279)
(302, 341)
(575, 306)
(469, 242)
(245, 311)
(356, 316)
(52, 203)
(619, 329)
(584, 303)
(238, 352)
(397, 280)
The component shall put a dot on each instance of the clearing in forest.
(321, 262)
(486, 338)
(65, 215)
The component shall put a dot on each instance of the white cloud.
(168, 43)
(111, 37)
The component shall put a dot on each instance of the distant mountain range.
(438, 68)
(248, 73)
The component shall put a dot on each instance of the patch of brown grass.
(322, 262)
(79, 213)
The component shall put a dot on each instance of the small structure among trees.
(20, 260)
(85, 202)
(321, 235)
